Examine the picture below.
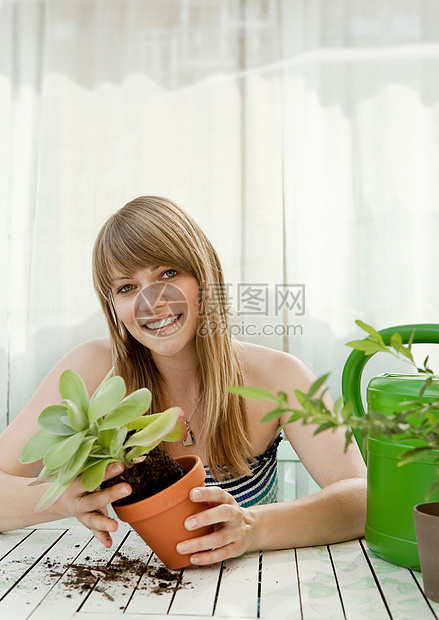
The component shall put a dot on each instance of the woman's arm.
(19, 500)
(335, 513)
(92, 361)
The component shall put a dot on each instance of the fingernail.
(195, 559)
(124, 490)
(190, 524)
(182, 547)
(117, 468)
(195, 494)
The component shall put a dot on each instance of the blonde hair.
(149, 231)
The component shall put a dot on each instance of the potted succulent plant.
(82, 436)
(414, 425)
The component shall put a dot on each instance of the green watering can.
(392, 491)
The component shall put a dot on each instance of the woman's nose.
(149, 300)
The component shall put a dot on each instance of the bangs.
(125, 246)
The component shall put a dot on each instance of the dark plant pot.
(159, 520)
(427, 533)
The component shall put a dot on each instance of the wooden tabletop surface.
(59, 571)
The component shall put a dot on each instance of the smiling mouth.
(158, 325)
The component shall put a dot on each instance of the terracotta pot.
(159, 519)
(427, 533)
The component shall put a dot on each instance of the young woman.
(161, 287)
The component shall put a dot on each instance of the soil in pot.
(155, 473)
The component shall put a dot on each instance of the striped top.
(259, 488)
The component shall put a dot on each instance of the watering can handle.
(353, 368)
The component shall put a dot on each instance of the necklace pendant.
(189, 441)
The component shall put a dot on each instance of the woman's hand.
(91, 508)
(233, 527)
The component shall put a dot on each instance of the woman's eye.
(125, 289)
(169, 273)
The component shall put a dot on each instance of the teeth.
(163, 323)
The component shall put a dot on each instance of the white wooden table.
(59, 571)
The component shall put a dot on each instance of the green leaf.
(324, 427)
(338, 403)
(106, 397)
(412, 455)
(396, 343)
(127, 410)
(348, 438)
(53, 493)
(45, 475)
(138, 451)
(72, 468)
(431, 418)
(252, 392)
(178, 434)
(433, 487)
(94, 475)
(71, 387)
(370, 330)
(60, 453)
(272, 415)
(104, 380)
(299, 414)
(51, 419)
(36, 446)
(347, 410)
(142, 421)
(77, 418)
(369, 347)
(425, 385)
(317, 384)
(396, 338)
(155, 432)
(116, 444)
(106, 437)
(301, 397)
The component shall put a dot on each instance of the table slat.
(38, 583)
(22, 557)
(9, 540)
(148, 595)
(433, 604)
(279, 588)
(238, 592)
(356, 582)
(400, 589)
(113, 594)
(69, 590)
(197, 595)
(318, 588)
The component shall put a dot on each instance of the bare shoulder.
(272, 370)
(91, 360)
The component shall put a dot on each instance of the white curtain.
(303, 135)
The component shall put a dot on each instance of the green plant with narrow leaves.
(82, 436)
(414, 420)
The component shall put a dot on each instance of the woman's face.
(159, 307)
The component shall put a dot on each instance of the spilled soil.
(84, 577)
